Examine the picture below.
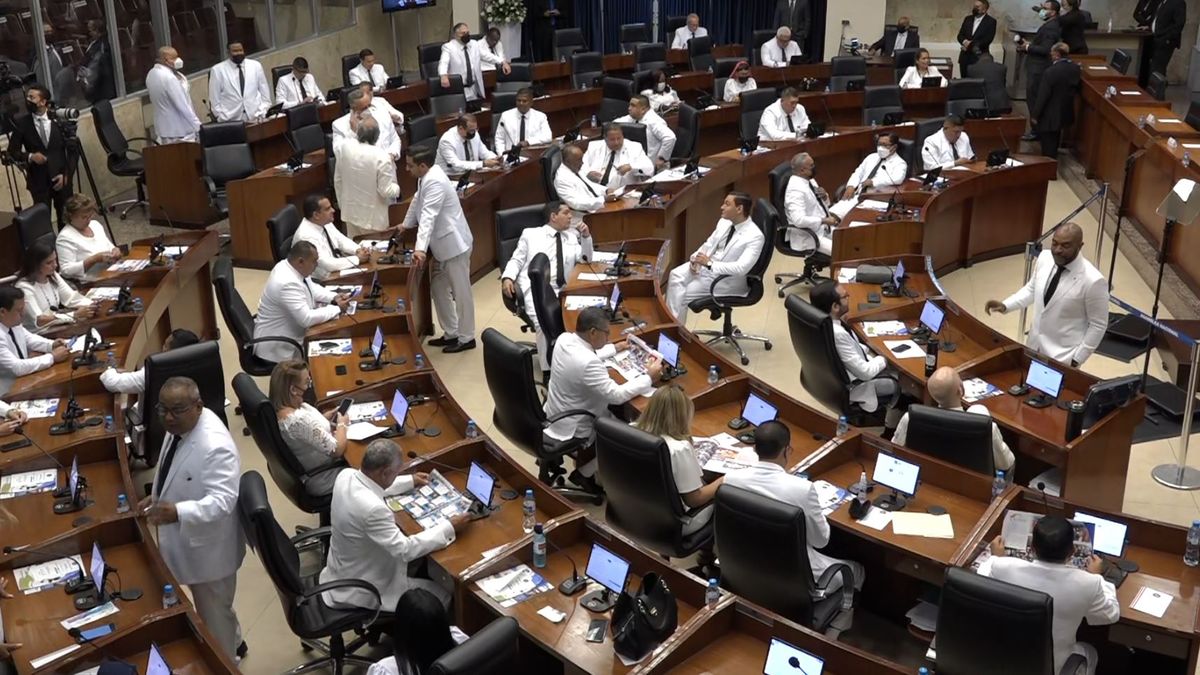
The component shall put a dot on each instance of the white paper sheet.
(876, 518)
(93, 614)
(882, 328)
(361, 431)
(574, 303)
(923, 525)
(847, 275)
(593, 276)
(1152, 602)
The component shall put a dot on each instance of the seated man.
(578, 191)
(903, 38)
(866, 371)
(886, 168)
(946, 389)
(691, 29)
(614, 163)
(17, 345)
(770, 477)
(368, 544)
(778, 53)
(579, 380)
(808, 207)
(365, 181)
(335, 251)
(289, 304)
(951, 147)
(783, 120)
(135, 382)
(563, 246)
(461, 149)
(660, 140)
(369, 71)
(523, 125)
(1078, 594)
(298, 86)
(345, 128)
(732, 249)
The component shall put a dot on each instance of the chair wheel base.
(745, 360)
(246, 431)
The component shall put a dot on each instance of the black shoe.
(586, 483)
(242, 649)
(442, 341)
(459, 347)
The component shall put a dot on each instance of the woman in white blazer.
(914, 75)
(84, 242)
(50, 301)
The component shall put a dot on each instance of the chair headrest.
(216, 134)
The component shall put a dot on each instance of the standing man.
(442, 230)
(730, 251)
(291, 304)
(575, 189)
(1054, 109)
(175, 120)
(778, 53)
(659, 137)
(952, 147)
(193, 503)
(490, 44)
(461, 149)
(783, 120)
(368, 70)
(691, 29)
(975, 36)
(96, 72)
(365, 180)
(62, 73)
(462, 57)
(1037, 53)
(1069, 298)
(39, 141)
(794, 15)
(361, 106)
(903, 38)
(808, 208)
(335, 251)
(237, 88)
(612, 162)
(547, 16)
(523, 125)
(1167, 27)
(298, 86)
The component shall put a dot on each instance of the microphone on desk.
(828, 113)
(78, 585)
(296, 161)
(575, 583)
(573, 133)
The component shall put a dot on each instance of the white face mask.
(178, 63)
(883, 151)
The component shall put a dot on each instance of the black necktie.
(728, 238)
(303, 92)
(467, 149)
(954, 151)
(165, 467)
(328, 240)
(560, 279)
(612, 157)
(791, 125)
(586, 184)
(16, 345)
(1052, 286)
(470, 80)
(311, 298)
(522, 138)
(818, 197)
(241, 79)
(875, 170)
(693, 35)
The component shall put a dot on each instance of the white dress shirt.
(661, 100)
(806, 211)
(287, 90)
(365, 183)
(174, 117)
(452, 152)
(774, 56)
(380, 104)
(335, 251)
(437, 214)
(659, 137)
(580, 380)
(894, 171)
(1071, 326)
(289, 306)
(544, 239)
(901, 41)
(734, 89)
(229, 101)
(596, 158)
(861, 364)
(17, 359)
(1002, 456)
(389, 140)
(368, 545)
(496, 53)
(773, 126)
(73, 248)
(508, 131)
(683, 34)
(378, 76)
(124, 383)
(454, 59)
(579, 192)
(913, 78)
(53, 296)
(937, 151)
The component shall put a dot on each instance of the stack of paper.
(922, 525)
(593, 276)
(847, 275)
(976, 389)
(882, 328)
(37, 407)
(174, 251)
(873, 204)
(361, 431)
(330, 347)
(129, 265)
(722, 453)
(43, 575)
(372, 411)
(97, 293)
(605, 257)
(830, 496)
(574, 303)
(923, 616)
(28, 483)
(513, 585)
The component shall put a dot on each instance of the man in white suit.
(732, 249)
(291, 304)
(462, 57)
(951, 147)
(578, 191)
(660, 140)
(523, 125)
(298, 86)
(490, 43)
(175, 119)
(365, 181)
(442, 230)
(367, 544)
(613, 163)
(368, 70)
(361, 102)
(461, 149)
(808, 207)
(778, 53)
(335, 251)
(134, 382)
(1078, 593)
(783, 120)
(193, 503)
(237, 88)
(886, 168)
(17, 345)
(1069, 298)
(945, 387)
(692, 29)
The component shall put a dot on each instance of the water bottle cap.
(121, 497)
(528, 492)
(1196, 523)
(168, 588)
(712, 582)
(537, 528)
(1000, 474)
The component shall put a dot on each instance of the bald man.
(1069, 298)
(946, 389)
(175, 119)
(581, 193)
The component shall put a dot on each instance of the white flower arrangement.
(504, 11)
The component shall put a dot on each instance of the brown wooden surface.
(254, 199)
(175, 186)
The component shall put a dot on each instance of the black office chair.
(965, 94)
(446, 100)
(122, 160)
(278, 72)
(586, 68)
(428, 56)
(510, 224)
(1158, 86)
(224, 156)
(642, 80)
(807, 246)
(240, 321)
(700, 54)
(33, 223)
(349, 63)
(632, 35)
(687, 131)
(753, 103)
(492, 650)
(847, 73)
(673, 24)
(912, 157)
(330, 170)
(821, 371)
(546, 305)
(636, 133)
(520, 76)
(300, 594)
(643, 500)
(202, 363)
(754, 49)
(764, 558)
(341, 95)
(879, 102)
(925, 129)
(508, 368)
(954, 436)
(502, 101)
(281, 227)
(550, 160)
(1014, 615)
(304, 128)
(995, 90)
(615, 101)
(1120, 61)
(422, 131)
(567, 41)
(767, 219)
(903, 60)
(650, 56)
(1193, 113)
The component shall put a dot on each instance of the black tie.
(874, 171)
(586, 184)
(791, 125)
(818, 197)
(16, 345)
(165, 467)
(954, 151)
(467, 149)
(329, 240)
(560, 278)
(241, 79)
(470, 80)
(311, 298)
(728, 237)
(1052, 286)
(303, 92)
(693, 35)
(612, 157)
(522, 138)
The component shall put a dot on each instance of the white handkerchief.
(552, 615)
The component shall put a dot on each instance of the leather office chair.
(845, 70)
(965, 94)
(340, 95)
(643, 500)
(510, 224)
(925, 129)
(520, 76)
(1120, 61)
(446, 100)
(723, 67)
(636, 133)
(995, 91)
(650, 56)
(757, 38)
(1014, 615)
(615, 101)
(304, 128)
(700, 53)
(764, 558)
(33, 223)
(304, 608)
(309, 491)
(422, 131)
(330, 170)
(633, 34)
(912, 157)
(240, 321)
(642, 80)
(808, 248)
(586, 67)
(502, 101)
(673, 24)
(278, 72)
(202, 363)
(546, 306)
(903, 58)
(1193, 113)
(880, 101)
(281, 227)
(349, 63)
(508, 368)
(490, 651)
(550, 160)
(428, 56)
(753, 103)
(567, 41)
(121, 159)
(687, 131)
(1157, 86)
(767, 220)
(821, 371)
(954, 436)
(224, 156)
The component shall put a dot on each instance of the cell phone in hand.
(344, 406)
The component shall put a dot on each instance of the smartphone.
(89, 634)
(901, 348)
(344, 406)
(596, 630)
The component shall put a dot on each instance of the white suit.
(660, 140)
(774, 56)
(204, 549)
(579, 192)
(580, 380)
(365, 183)
(174, 118)
(442, 230)
(683, 34)
(1071, 326)
(287, 90)
(806, 211)
(124, 383)
(892, 171)
(596, 158)
(229, 101)
(335, 251)
(496, 53)
(913, 79)
(508, 131)
(452, 152)
(367, 543)
(388, 138)
(861, 365)
(937, 151)
(16, 359)
(289, 307)
(378, 76)
(454, 61)
(733, 257)
(773, 125)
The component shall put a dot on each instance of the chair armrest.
(569, 413)
(838, 569)
(810, 245)
(712, 291)
(315, 533)
(212, 187)
(1074, 664)
(317, 590)
(133, 151)
(133, 416)
(272, 338)
(148, 141)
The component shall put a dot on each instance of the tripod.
(75, 155)
(12, 168)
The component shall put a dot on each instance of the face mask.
(661, 86)
(743, 78)
(470, 135)
(902, 29)
(31, 106)
(974, 12)
(883, 151)
(178, 63)
(1043, 14)
(465, 39)
(238, 59)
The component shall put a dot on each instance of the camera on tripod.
(65, 115)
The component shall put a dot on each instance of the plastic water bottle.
(122, 503)
(1110, 24)
(595, 121)
(539, 546)
(419, 360)
(1187, 159)
(1191, 554)
(472, 429)
(998, 485)
(112, 360)
(1141, 121)
(170, 599)
(712, 594)
(137, 305)
(923, 670)
(843, 428)
(408, 257)
(1172, 143)
(528, 508)
(714, 374)
(400, 306)
(860, 488)
(109, 425)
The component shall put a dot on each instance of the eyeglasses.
(162, 409)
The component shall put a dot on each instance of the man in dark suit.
(96, 74)
(975, 36)
(547, 16)
(795, 15)
(1054, 108)
(1037, 53)
(1167, 28)
(38, 141)
(904, 35)
(1144, 12)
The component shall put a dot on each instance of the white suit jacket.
(451, 154)
(437, 214)
(289, 306)
(367, 543)
(454, 62)
(378, 76)
(683, 34)
(287, 90)
(365, 183)
(1078, 595)
(737, 258)
(493, 56)
(774, 56)
(508, 131)
(773, 125)
(73, 248)
(388, 138)
(579, 192)
(14, 364)
(1071, 326)
(659, 137)
(580, 380)
(596, 159)
(343, 254)
(661, 100)
(936, 150)
(893, 172)
(174, 116)
(206, 544)
(230, 103)
(537, 240)
(913, 79)
(861, 365)
(733, 88)
(804, 210)
(124, 383)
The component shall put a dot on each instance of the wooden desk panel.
(175, 186)
(255, 199)
(326, 379)
(182, 639)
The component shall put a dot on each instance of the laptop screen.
(898, 275)
(479, 484)
(377, 343)
(1044, 378)
(157, 665)
(1109, 537)
(669, 350)
(899, 475)
(607, 568)
(932, 316)
(757, 410)
(97, 566)
(399, 408)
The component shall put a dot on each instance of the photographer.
(39, 141)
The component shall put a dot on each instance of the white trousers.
(824, 240)
(452, 299)
(214, 603)
(683, 287)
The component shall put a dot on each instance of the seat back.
(1120, 61)
(510, 223)
(490, 651)
(1193, 113)
(585, 68)
(879, 101)
(567, 41)
(202, 363)
(33, 223)
(281, 227)
(642, 80)
(767, 219)
(224, 153)
(954, 436)
(1158, 86)
(650, 56)
(673, 24)
(847, 66)
(821, 370)
(268, 540)
(304, 126)
(757, 38)
(634, 34)
(422, 131)
(700, 56)
(777, 182)
(995, 90)
(551, 159)
(1014, 615)
(112, 139)
(263, 422)
(237, 316)
(636, 133)
(349, 63)
(278, 72)
(520, 76)
(925, 129)
(446, 100)
(545, 302)
(615, 101)
(753, 103)
(964, 94)
(903, 58)
(428, 55)
(847, 82)
(503, 100)
(508, 369)
(330, 168)
(764, 556)
(687, 130)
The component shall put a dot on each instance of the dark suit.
(25, 141)
(544, 27)
(887, 44)
(1037, 59)
(1073, 24)
(97, 72)
(1054, 108)
(981, 41)
(1168, 24)
(1144, 12)
(795, 15)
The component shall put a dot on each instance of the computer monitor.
(669, 350)
(757, 410)
(480, 484)
(1109, 536)
(73, 479)
(1105, 397)
(97, 567)
(897, 474)
(784, 659)
(156, 664)
(898, 274)
(607, 569)
(932, 317)
(1044, 379)
(614, 300)
(377, 344)
(399, 410)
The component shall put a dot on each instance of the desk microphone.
(828, 113)
(575, 583)
(62, 491)
(73, 586)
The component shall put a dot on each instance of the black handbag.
(640, 623)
